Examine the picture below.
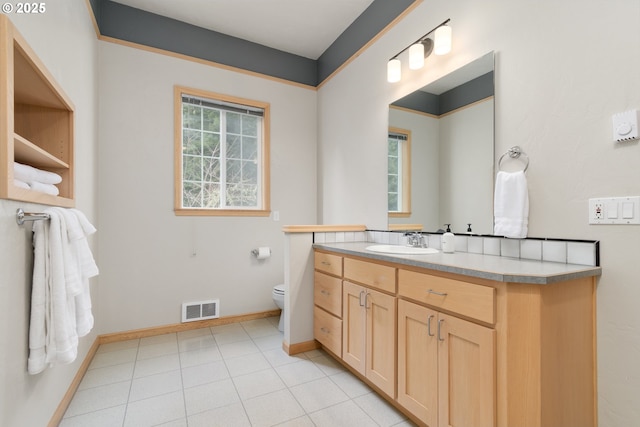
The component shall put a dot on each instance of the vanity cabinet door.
(354, 323)
(369, 334)
(418, 361)
(466, 373)
(381, 338)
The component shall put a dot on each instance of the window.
(399, 172)
(222, 152)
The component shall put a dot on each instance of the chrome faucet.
(415, 239)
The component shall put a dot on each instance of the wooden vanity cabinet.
(369, 334)
(446, 368)
(327, 294)
(36, 121)
(452, 350)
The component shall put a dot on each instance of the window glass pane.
(234, 121)
(211, 120)
(191, 142)
(191, 168)
(393, 202)
(234, 169)
(250, 195)
(393, 165)
(393, 147)
(234, 148)
(249, 172)
(249, 148)
(191, 195)
(211, 144)
(211, 169)
(211, 196)
(191, 116)
(250, 125)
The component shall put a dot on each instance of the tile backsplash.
(583, 252)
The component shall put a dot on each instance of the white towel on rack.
(61, 301)
(511, 205)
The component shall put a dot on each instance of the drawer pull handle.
(442, 294)
(325, 330)
(360, 299)
(439, 328)
(366, 297)
(325, 263)
(429, 325)
(323, 292)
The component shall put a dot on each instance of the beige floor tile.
(273, 408)
(155, 410)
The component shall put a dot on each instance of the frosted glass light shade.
(442, 42)
(416, 56)
(394, 71)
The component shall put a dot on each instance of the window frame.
(264, 209)
(405, 208)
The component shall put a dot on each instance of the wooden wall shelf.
(36, 121)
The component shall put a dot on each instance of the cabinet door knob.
(439, 329)
(366, 298)
(429, 325)
(442, 294)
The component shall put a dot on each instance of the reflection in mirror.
(449, 175)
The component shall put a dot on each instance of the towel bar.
(22, 216)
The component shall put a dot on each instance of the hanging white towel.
(511, 205)
(61, 302)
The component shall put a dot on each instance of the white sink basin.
(401, 250)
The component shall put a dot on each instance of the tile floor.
(231, 375)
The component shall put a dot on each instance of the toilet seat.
(278, 289)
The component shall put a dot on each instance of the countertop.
(501, 269)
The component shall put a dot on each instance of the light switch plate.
(614, 210)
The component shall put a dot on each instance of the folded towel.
(61, 301)
(30, 174)
(44, 188)
(21, 184)
(511, 205)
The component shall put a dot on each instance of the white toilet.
(278, 298)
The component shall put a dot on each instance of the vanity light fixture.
(420, 49)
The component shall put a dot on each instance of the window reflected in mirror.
(399, 172)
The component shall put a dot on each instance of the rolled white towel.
(21, 184)
(45, 188)
(30, 174)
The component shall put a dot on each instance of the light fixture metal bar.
(420, 39)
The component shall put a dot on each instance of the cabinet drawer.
(467, 299)
(327, 293)
(328, 263)
(374, 275)
(327, 329)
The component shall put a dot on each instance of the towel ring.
(515, 152)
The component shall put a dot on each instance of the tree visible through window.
(223, 146)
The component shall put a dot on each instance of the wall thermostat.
(625, 126)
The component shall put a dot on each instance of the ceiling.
(301, 27)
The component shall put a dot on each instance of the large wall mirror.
(441, 152)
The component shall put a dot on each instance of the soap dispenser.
(448, 241)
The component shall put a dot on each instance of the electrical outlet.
(598, 210)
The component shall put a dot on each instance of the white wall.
(148, 265)
(64, 39)
(563, 68)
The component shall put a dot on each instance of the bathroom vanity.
(462, 339)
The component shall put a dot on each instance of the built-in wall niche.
(36, 118)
